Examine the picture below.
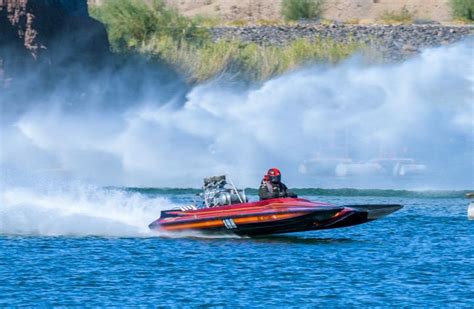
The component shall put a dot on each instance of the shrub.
(402, 16)
(162, 33)
(238, 23)
(131, 22)
(463, 9)
(301, 9)
(246, 60)
(267, 22)
(207, 21)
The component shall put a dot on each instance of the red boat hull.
(274, 216)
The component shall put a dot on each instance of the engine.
(218, 192)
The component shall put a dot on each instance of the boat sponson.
(376, 211)
(307, 222)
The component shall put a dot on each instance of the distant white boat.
(346, 167)
(400, 166)
(470, 208)
(358, 169)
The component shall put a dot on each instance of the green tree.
(131, 22)
(463, 9)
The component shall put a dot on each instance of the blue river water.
(421, 256)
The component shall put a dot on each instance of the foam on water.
(84, 210)
(78, 210)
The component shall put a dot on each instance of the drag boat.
(226, 210)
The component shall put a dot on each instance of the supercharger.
(218, 192)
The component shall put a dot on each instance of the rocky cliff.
(52, 51)
(49, 32)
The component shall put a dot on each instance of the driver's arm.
(285, 193)
(265, 194)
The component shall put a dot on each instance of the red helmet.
(274, 175)
(273, 172)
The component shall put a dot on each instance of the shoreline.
(393, 42)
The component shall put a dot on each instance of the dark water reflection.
(288, 239)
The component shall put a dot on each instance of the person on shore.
(272, 187)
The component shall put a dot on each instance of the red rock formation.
(18, 24)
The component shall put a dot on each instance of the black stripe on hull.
(376, 211)
(353, 218)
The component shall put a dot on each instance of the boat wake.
(348, 125)
(78, 210)
(83, 210)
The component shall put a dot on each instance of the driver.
(272, 187)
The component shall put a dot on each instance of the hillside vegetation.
(463, 9)
(365, 11)
(161, 32)
(302, 9)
